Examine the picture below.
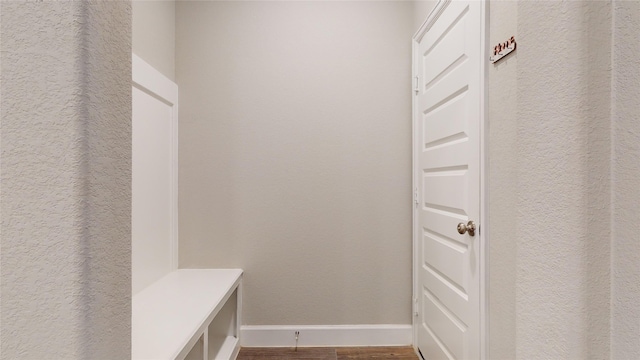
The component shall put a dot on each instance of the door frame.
(483, 229)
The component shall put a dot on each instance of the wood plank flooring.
(339, 353)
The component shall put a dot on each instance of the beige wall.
(153, 33)
(66, 180)
(295, 155)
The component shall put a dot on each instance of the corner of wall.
(66, 180)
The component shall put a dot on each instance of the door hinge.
(415, 197)
(416, 87)
(415, 307)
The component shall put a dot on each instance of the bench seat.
(174, 314)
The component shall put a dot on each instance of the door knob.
(470, 227)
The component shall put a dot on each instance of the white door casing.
(448, 128)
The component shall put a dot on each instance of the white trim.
(414, 217)
(326, 335)
(483, 232)
(151, 81)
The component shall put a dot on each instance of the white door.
(447, 117)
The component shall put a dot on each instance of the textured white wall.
(625, 322)
(561, 227)
(502, 194)
(153, 33)
(549, 227)
(596, 35)
(295, 155)
(65, 195)
(576, 186)
(560, 194)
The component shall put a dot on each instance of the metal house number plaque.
(503, 49)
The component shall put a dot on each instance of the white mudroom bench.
(188, 314)
(176, 313)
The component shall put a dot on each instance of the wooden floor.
(339, 353)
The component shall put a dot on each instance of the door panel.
(445, 55)
(455, 11)
(449, 328)
(447, 118)
(446, 121)
(452, 188)
(445, 257)
(448, 88)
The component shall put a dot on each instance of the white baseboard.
(326, 335)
